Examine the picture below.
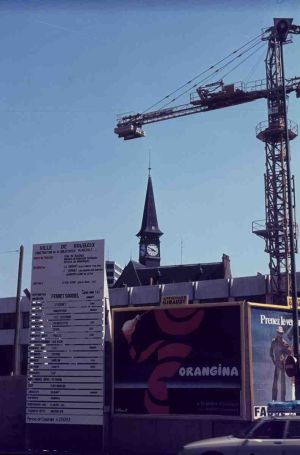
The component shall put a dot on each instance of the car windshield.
(272, 429)
(243, 432)
(264, 430)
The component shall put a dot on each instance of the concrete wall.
(137, 436)
(12, 412)
(247, 286)
(144, 295)
(251, 288)
(8, 304)
(124, 435)
(7, 337)
(212, 289)
(13, 425)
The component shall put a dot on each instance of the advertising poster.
(65, 383)
(183, 360)
(272, 341)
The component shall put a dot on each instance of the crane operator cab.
(217, 95)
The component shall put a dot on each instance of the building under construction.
(189, 355)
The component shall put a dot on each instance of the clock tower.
(149, 234)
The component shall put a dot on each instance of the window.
(24, 358)
(7, 321)
(25, 320)
(269, 430)
(294, 430)
(244, 432)
(6, 364)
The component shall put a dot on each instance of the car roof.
(284, 417)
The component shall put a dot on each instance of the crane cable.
(203, 72)
(240, 63)
(218, 70)
(254, 68)
(236, 66)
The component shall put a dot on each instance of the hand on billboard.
(128, 327)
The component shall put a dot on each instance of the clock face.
(152, 249)
(142, 249)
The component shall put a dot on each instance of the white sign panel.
(66, 349)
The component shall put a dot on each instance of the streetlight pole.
(16, 365)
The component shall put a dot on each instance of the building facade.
(113, 272)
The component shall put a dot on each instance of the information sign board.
(66, 348)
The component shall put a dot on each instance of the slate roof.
(136, 274)
(149, 221)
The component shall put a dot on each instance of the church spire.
(149, 167)
(149, 221)
(149, 233)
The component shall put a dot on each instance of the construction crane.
(278, 229)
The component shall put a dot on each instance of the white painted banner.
(67, 329)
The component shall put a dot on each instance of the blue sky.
(67, 70)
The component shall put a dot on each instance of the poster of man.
(178, 360)
(279, 350)
(271, 342)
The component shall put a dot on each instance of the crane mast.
(278, 229)
(277, 205)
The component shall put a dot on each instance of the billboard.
(66, 348)
(178, 360)
(271, 340)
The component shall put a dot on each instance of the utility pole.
(17, 357)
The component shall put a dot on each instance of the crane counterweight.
(130, 131)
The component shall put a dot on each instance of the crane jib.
(130, 126)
